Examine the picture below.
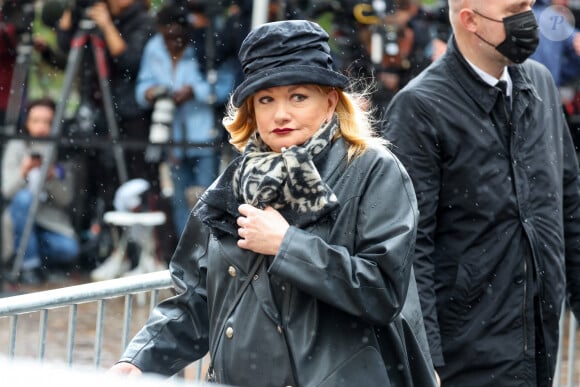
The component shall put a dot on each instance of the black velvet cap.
(286, 53)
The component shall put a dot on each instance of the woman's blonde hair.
(354, 120)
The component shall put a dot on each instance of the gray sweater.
(53, 209)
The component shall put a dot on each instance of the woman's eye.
(299, 97)
(264, 100)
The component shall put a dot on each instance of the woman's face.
(290, 115)
(39, 121)
(175, 37)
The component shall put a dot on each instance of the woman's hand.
(65, 22)
(182, 95)
(99, 13)
(29, 163)
(261, 231)
(124, 368)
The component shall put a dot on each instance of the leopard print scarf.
(289, 180)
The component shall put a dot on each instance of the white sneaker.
(112, 267)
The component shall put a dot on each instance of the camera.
(161, 121)
(207, 7)
(18, 13)
(86, 3)
(36, 156)
(52, 10)
(162, 115)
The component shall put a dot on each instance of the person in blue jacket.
(559, 42)
(170, 67)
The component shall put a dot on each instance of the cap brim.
(284, 76)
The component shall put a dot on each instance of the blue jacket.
(557, 55)
(195, 117)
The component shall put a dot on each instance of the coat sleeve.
(177, 332)
(410, 128)
(12, 180)
(136, 34)
(571, 209)
(371, 280)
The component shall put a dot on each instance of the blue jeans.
(44, 246)
(189, 172)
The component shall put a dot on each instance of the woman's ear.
(332, 102)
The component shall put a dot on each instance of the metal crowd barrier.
(567, 374)
(133, 289)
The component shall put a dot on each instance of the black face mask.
(521, 36)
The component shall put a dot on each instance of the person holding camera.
(171, 80)
(15, 23)
(53, 240)
(125, 27)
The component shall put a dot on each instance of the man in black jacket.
(496, 178)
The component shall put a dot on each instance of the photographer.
(388, 41)
(53, 239)
(7, 58)
(15, 20)
(125, 26)
(170, 72)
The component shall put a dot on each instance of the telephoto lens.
(161, 121)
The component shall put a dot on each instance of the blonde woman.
(295, 264)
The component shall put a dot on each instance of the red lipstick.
(282, 130)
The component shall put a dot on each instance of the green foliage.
(45, 80)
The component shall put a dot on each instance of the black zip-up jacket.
(330, 309)
(499, 226)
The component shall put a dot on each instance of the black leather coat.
(500, 219)
(325, 311)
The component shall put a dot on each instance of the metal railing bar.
(72, 327)
(571, 348)
(78, 294)
(199, 369)
(559, 359)
(99, 332)
(13, 329)
(154, 299)
(42, 324)
(127, 321)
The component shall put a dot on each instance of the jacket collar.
(483, 94)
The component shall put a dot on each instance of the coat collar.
(484, 95)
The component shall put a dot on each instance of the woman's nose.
(281, 113)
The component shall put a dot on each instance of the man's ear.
(467, 20)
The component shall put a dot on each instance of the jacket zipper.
(507, 115)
